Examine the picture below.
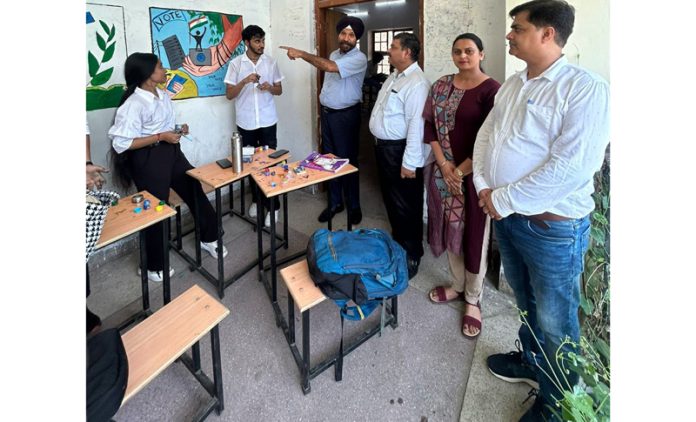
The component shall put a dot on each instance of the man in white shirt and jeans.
(397, 124)
(534, 161)
(252, 80)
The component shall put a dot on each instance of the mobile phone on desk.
(224, 163)
(278, 153)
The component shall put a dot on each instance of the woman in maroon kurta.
(457, 106)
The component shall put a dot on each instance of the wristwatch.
(459, 172)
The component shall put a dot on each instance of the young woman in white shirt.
(146, 152)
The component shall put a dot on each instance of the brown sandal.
(471, 321)
(442, 295)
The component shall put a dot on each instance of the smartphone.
(224, 163)
(278, 153)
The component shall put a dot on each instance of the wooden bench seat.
(165, 336)
(300, 285)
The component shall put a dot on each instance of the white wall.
(211, 119)
(292, 24)
(444, 19)
(587, 46)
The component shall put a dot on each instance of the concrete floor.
(425, 370)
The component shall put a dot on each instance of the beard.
(345, 46)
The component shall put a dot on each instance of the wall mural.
(195, 48)
(106, 53)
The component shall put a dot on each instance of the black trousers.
(257, 138)
(157, 169)
(340, 135)
(403, 198)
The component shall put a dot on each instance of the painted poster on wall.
(106, 53)
(195, 48)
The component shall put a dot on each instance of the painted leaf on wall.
(93, 64)
(101, 77)
(109, 53)
(100, 42)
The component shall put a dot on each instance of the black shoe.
(539, 410)
(329, 213)
(413, 264)
(355, 216)
(511, 368)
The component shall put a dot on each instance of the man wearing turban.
(340, 99)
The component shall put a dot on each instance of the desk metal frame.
(219, 281)
(166, 284)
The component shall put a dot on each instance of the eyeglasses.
(467, 51)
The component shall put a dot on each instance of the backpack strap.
(381, 320)
(358, 312)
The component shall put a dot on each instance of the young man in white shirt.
(534, 161)
(252, 80)
(397, 124)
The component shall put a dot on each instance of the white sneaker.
(267, 221)
(157, 276)
(211, 248)
(252, 210)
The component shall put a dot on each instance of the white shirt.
(254, 108)
(542, 142)
(398, 113)
(343, 89)
(143, 114)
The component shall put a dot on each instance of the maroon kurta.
(473, 108)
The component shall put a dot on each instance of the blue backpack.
(363, 265)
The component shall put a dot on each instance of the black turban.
(355, 23)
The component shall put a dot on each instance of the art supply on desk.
(137, 198)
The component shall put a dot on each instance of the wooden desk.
(278, 184)
(216, 177)
(122, 221)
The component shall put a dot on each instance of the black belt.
(390, 142)
(334, 110)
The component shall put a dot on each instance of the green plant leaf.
(586, 305)
(599, 218)
(100, 42)
(93, 64)
(597, 235)
(104, 26)
(101, 77)
(112, 33)
(109, 52)
(602, 348)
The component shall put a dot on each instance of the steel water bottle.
(236, 152)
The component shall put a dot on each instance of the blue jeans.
(543, 266)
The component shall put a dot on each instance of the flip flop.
(442, 296)
(471, 321)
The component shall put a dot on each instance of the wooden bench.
(305, 294)
(165, 336)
